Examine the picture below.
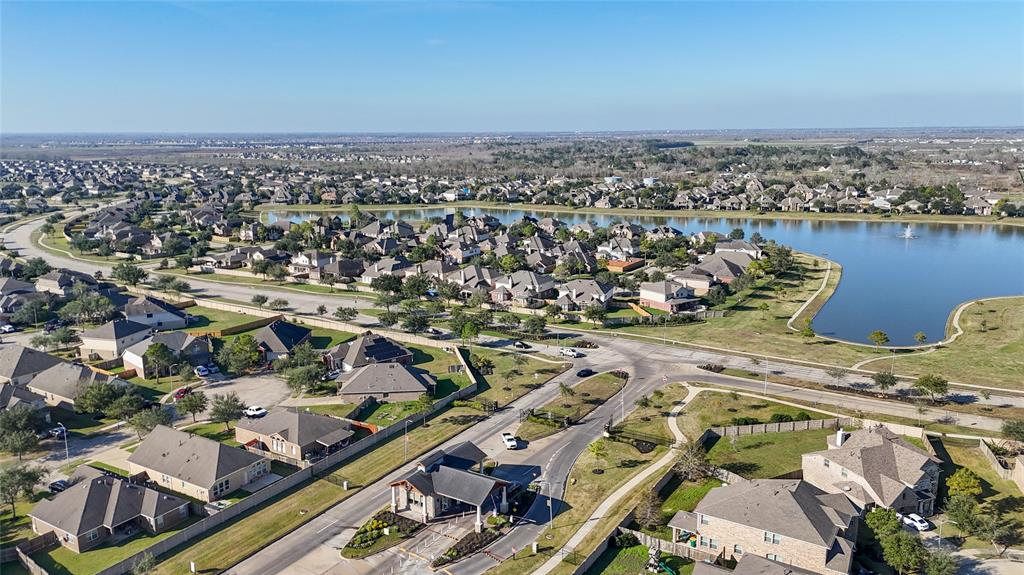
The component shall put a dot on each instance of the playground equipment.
(656, 565)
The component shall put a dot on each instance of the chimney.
(840, 436)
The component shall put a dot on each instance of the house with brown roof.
(294, 435)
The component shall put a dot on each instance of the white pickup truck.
(569, 352)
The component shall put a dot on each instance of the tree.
(260, 300)
(130, 274)
(470, 331)
(388, 318)
(878, 337)
(240, 354)
(144, 565)
(160, 357)
(643, 402)
(736, 234)
(346, 313)
(595, 313)
(765, 310)
(920, 337)
(565, 391)
(941, 562)
(448, 291)
(146, 420)
(932, 385)
(183, 261)
(648, 510)
(902, 551)
(995, 529)
(534, 325)
(17, 481)
(321, 310)
(807, 331)
(21, 417)
(1013, 429)
(19, 442)
(35, 267)
(278, 304)
(124, 407)
(226, 408)
(424, 405)
(883, 379)
(193, 403)
(693, 464)
(415, 323)
(386, 284)
(882, 521)
(963, 482)
(305, 377)
(837, 373)
(97, 396)
(552, 311)
(962, 509)
(599, 449)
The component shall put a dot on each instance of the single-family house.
(278, 339)
(366, 349)
(876, 468)
(110, 340)
(62, 282)
(60, 385)
(19, 364)
(668, 296)
(295, 435)
(580, 294)
(155, 313)
(198, 467)
(390, 382)
(184, 347)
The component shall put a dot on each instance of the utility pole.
(766, 376)
(67, 452)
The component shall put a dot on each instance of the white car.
(509, 440)
(7, 328)
(569, 352)
(255, 411)
(916, 521)
(201, 371)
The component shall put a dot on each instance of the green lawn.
(323, 338)
(237, 540)
(209, 319)
(110, 468)
(514, 375)
(998, 495)
(385, 414)
(78, 423)
(766, 455)
(586, 396)
(21, 526)
(153, 389)
(216, 432)
(63, 561)
(437, 361)
(680, 496)
(13, 568)
(633, 561)
(270, 284)
(336, 409)
(713, 409)
(653, 420)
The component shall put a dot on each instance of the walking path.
(612, 500)
(800, 310)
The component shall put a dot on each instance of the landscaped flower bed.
(467, 546)
(383, 530)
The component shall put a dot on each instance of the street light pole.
(766, 375)
(67, 452)
(407, 440)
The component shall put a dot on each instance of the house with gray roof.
(61, 384)
(110, 340)
(19, 364)
(445, 483)
(62, 282)
(750, 565)
(155, 313)
(97, 509)
(579, 294)
(668, 296)
(198, 467)
(185, 347)
(385, 382)
(788, 521)
(278, 339)
(17, 397)
(296, 436)
(876, 467)
(366, 349)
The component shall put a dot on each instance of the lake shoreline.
(648, 213)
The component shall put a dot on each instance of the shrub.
(745, 421)
(802, 416)
(626, 540)
(712, 367)
(781, 418)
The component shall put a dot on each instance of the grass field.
(335, 409)
(633, 561)
(216, 432)
(20, 527)
(208, 319)
(680, 496)
(713, 409)
(519, 376)
(766, 455)
(78, 423)
(237, 540)
(998, 495)
(653, 420)
(587, 395)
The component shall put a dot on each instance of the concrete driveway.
(264, 390)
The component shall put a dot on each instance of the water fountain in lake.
(908, 233)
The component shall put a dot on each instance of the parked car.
(509, 440)
(182, 392)
(585, 372)
(57, 432)
(521, 345)
(916, 521)
(569, 352)
(58, 486)
(212, 368)
(7, 328)
(255, 411)
(433, 331)
(331, 375)
(201, 371)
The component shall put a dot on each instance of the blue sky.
(514, 66)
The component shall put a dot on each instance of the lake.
(900, 286)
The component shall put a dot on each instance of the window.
(843, 472)
(704, 520)
(826, 463)
(773, 538)
(708, 542)
(737, 550)
(774, 557)
(91, 536)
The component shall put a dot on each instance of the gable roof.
(176, 341)
(369, 348)
(789, 507)
(67, 379)
(101, 501)
(281, 336)
(299, 427)
(14, 395)
(17, 360)
(190, 458)
(145, 304)
(115, 329)
(387, 378)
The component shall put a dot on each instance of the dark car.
(58, 486)
(585, 372)
(521, 345)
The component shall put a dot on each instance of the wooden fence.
(319, 469)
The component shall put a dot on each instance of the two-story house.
(876, 467)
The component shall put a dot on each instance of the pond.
(890, 283)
